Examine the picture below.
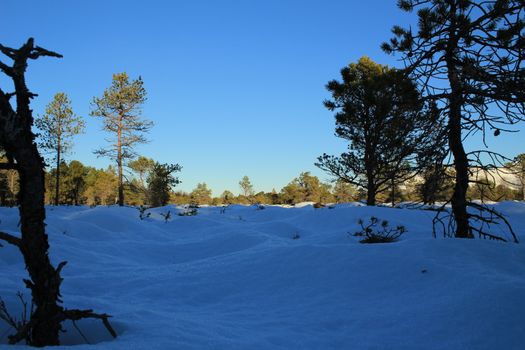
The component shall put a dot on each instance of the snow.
(238, 280)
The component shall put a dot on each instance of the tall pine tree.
(246, 186)
(121, 107)
(389, 128)
(57, 127)
(468, 57)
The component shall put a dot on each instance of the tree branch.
(11, 239)
(75, 315)
(8, 166)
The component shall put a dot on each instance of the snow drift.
(237, 280)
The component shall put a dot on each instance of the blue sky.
(234, 87)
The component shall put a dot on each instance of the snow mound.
(278, 278)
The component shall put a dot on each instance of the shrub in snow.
(375, 232)
(188, 212)
(142, 212)
(166, 216)
(17, 324)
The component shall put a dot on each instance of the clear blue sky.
(234, 87)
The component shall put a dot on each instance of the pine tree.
(518, 168)
(305, 188)
(75, 183)
(101, 185)
(343, 192)
(246, 186)
(9, 183)
(141, 168)
(120, 108)
(437, 184)
(4, 190)
(227, 197)
(388, 125)
(292, 193)
(325, 193)
(57, 127)
(50, 184)
(160, 183)
(201, 194)
(468, 58)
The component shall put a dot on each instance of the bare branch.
(75, 315)
(11, 239)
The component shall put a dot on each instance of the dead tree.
(18, 141)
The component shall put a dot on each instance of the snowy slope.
(239, 281)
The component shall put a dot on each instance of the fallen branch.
(75, 315)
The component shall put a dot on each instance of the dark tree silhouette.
(468, 58)
(161, 182)
(18, 141)
(389, 128)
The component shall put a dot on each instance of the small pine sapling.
(383, 234)
(142, 212)
(166, 216)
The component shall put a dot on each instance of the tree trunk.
(370, 194)
(459, 197)
(45, 281)
(119, 164)
(17, 140)
(522, 180)
(57, 184)
(370, 178)
(459, 201)
(393, 192)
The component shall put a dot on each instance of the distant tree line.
(148, 182)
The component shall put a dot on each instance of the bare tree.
(18, 141)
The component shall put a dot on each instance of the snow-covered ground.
(237, 280)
